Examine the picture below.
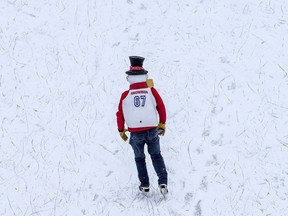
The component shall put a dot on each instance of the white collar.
(137, 78)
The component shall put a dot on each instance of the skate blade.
(164, 191)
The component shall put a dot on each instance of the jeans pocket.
(154, 137)
(137, 137)
(132, 139)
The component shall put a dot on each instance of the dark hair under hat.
(136, 67)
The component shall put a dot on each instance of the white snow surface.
(221, 68)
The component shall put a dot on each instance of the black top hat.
(136, 67)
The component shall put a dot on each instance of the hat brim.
(136, 72)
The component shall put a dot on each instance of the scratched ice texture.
(221, 68)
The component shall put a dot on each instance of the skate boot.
(163, 189)
(144, 189)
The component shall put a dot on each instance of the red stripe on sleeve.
(160, 106)
(119, 114)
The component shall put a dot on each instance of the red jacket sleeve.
(119, 114)
(160, 106)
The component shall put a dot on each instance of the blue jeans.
(138, 141)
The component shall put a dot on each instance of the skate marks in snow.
(227, 104)
(151, 203)
(237, 137)
(131, 201)
(198, 211)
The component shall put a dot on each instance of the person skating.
(142, 109)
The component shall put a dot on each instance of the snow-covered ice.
(221, 68)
